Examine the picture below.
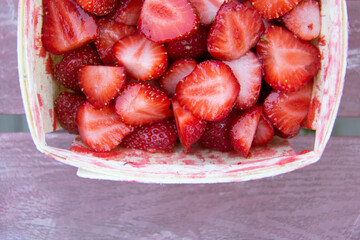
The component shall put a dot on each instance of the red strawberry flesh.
(98, 7)
(127, 12)
(270, 9)
(264, 132)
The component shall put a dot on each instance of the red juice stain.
(40, 100)
(49, 65)
(314, 108)
(322, 41)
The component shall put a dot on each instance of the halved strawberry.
(189, 127)
(264, 131)
(236, 29)
(243, 130)
(248, 72)
(157, 137)
(101, 83)
(66, 26)
(109, 33)
(143, 59)
(100, 129)
(207, 9)
(66, 71)
(66, 106)
(288, 110)
(270, 9)
(141, 103)
(287, 135)
(177, 71)
(164, 21)
(288, 62)
(210, 91)
(98, 7)
(304, 20)
(127, 12)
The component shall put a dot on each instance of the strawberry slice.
(127, 12)
(270, 9)
(210, 91)
(141, 103)
(207, 9)
(143, 59)
(66, 106)
(217, 133)
(156, 138)
(248, 72)
(236, 29)
(243, 130)
(288, 110)
(101, 83)
(100, 129)
(164, 21)
(288, 62)
(189, 127)
(66, 71)
(109, 33)
(66, 26)
(264, 132)
(304, 20)
(177, 71)
(98, 7)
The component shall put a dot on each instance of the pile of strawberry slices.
(144, 73)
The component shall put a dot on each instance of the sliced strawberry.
(66, 26)
(164, 21)
(270, 9)
(66, 71)
(288, 110)
(287, 135)
(264, 132)
(141, 103)
(243, 130)
(98, 7)
(210, 91)
(143, 59)
(189, 127)
(207, 9)
(236, 29)
(109, 33)
(154, 82)
(304, 20)
(217, 133)
(127, 12)
(192, 46)
(101, 83)
(248, 72)
(288, 62)
(177, 71)
(100, 129)
(66, 106)
(157, 137)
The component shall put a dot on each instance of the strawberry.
(100, 129)
(288, 62)
(287, 135)
(207, 9)
(109, 33)
(217, 133)
(192, 46)
(127, 12)
(248, 72)
(243, 130)
(264, 131)
(66, 106)
(189, 127)
(236, 29)
(143, 59)
(141, 103)
(270, 9)
(304, 20)
(67, 70)
(288, 110)
(101, 83)
(177, 71)
(164, 21)
(157, 137)
(98, 7)
(210, 91)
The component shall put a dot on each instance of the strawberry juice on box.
(210, 93)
